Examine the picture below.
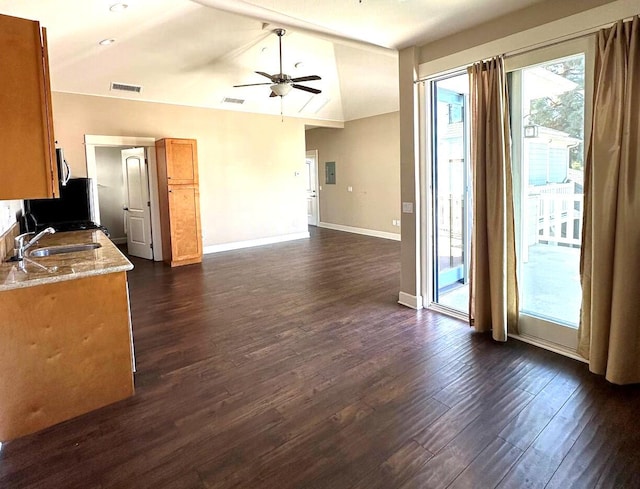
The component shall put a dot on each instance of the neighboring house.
(546, 156)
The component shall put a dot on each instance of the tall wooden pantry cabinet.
(179, 197)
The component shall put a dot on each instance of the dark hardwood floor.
(292, 366)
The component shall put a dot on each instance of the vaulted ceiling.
(193, 52)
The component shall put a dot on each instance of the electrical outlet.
(349, 188)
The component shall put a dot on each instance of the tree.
(564, 112)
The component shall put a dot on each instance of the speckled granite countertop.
(64, 266)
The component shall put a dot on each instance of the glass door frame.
(465, 192)
(428, 98)
(537, 329)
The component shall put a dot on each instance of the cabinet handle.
(170, 191)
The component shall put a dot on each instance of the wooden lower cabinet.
(184, 216)
(66, 350)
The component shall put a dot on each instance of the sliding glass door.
(451, 209)
(547, 116)
(548, 89)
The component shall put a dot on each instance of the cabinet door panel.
(182, 161)
(28, 149)
(69, 348)
(184, 214)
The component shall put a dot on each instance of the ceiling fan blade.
(307, 89)
(264, 74)
(306, 78)
(252, 84)
(273, 94)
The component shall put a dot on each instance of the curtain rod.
(555, 41)
(533, 47)
(569, 37)
(510, 54)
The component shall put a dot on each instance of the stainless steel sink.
(57, 250)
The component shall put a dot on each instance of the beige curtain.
(493, 299)
(609, 334)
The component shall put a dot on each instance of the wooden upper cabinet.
(182, 161)
(27, 159)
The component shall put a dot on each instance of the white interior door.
(137, 205)
(311, 174)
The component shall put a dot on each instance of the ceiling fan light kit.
(281, 83)
(281, 89)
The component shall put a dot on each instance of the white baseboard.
(253, 242)
(119, 240)
(366, 232)
(412, 301)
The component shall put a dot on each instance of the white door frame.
(313, 153)
(91, 142)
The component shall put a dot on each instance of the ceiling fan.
(281, 84)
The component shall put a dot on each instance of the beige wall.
(367, 156)
(247, 162)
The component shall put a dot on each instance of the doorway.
(311, 179)
(111, 192)
(451, 208)
(146, 177)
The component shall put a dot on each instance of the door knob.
(125, 208)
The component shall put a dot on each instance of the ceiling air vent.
(229, 100)
(125, 87)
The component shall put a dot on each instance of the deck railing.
(560, 218)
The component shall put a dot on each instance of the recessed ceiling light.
(118, 7)
(299, 64)
(106, 42)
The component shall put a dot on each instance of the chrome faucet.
(20, 245)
